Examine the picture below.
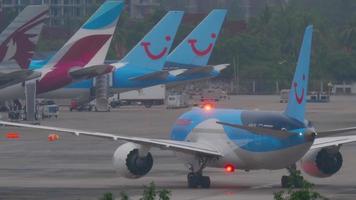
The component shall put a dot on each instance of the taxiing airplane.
(236, 139)
(83, 54)
(17, 45)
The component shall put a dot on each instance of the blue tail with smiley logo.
(196, 48)
(299, 89)
(151, 52)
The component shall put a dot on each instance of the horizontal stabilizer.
(15, 77)
(201, 70)
(260, 130)
(151, 76)
(90, 72)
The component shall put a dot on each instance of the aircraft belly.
(272, 160)
(277, 159)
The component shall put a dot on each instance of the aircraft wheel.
(205, 182)
(193, 180)
(285, 182)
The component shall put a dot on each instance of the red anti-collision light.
(207, 107)
(229, 168)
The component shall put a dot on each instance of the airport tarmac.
(80, 167)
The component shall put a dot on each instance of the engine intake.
(322, 163)
(131, 161)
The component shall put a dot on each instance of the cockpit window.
(275, 121)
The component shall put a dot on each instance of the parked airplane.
(17, 45)
(84, 53)
(159, 39)
(187, 62)
(241, 139)
(134, 73)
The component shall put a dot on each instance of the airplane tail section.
(19, 39)
(151, 52)
(196, 48)
(299, 88)
(90, 44)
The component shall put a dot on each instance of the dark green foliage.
(164, 194)
(108, 196)
(149, 192)
(124, 196)
(299, 189)
(269, 48)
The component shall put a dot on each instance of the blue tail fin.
(151, 52)
(196, 48)
(299, 88)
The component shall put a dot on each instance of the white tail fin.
(18, 41)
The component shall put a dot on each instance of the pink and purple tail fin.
(87, 47)
(90, 44)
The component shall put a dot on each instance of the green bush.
(295, 192)
(107, 196)
(150, 193)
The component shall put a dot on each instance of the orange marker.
(12, 136)
(53, 137)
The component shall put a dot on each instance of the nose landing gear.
(196, 179)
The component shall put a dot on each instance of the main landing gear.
(196, 179)
(294, 180)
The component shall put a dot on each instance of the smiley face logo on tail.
(193, 45)
(151, 55)
(299, 98)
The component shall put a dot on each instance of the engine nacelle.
(322, 163)
(132, 160)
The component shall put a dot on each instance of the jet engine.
(132, 160)
(322, 163)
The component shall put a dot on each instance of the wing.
(323, 141)
(336, 131)
(332, 141)
(181, 146)
(90, 72)
(8, 79)
(203, 70)
(151, 76)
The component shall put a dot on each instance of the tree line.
(269, 45)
